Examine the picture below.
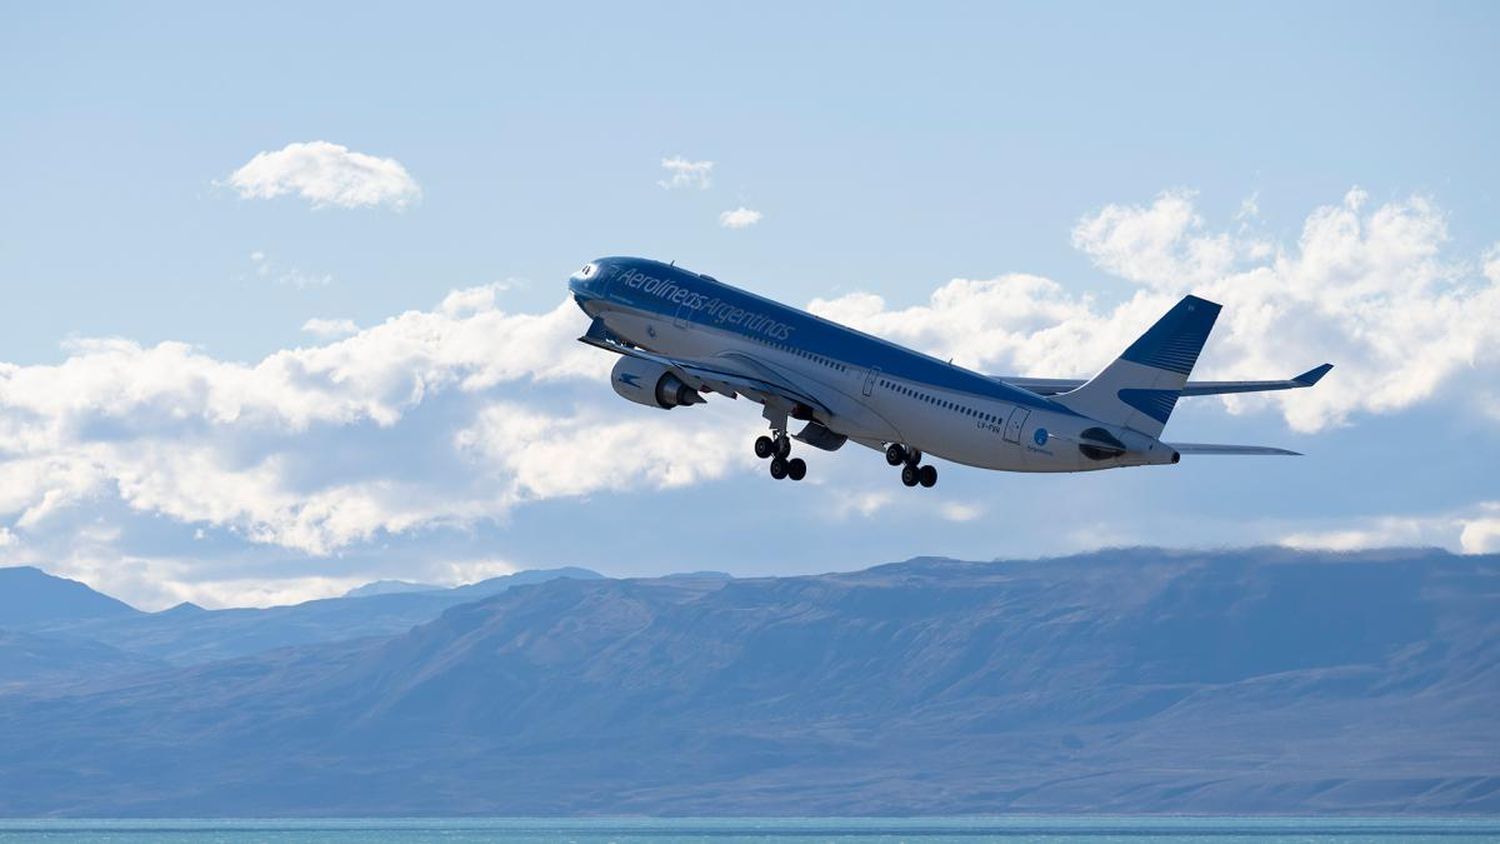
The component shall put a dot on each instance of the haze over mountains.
(1256, 681)
(188, 634)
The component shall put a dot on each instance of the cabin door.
(1015, 423)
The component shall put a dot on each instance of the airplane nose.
(586, 278)
(590, 284)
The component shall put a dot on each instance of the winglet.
(1313, 376)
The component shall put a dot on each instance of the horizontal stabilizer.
(1213, 388)
(1056, 386)
(1211, 448)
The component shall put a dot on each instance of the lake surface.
(1013, 830)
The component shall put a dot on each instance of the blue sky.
(1328, 169)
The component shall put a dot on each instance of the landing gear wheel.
(783, 446)
(895, 454)
(764, 447)
(796, 468)
(779, 468)
(909, 475)
(927, 476)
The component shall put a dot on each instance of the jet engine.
(651, 384)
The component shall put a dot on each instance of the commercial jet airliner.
(682, 334)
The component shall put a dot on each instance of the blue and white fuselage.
(682, 334)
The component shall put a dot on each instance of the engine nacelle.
(651, 384)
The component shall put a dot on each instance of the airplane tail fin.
(1141, 387)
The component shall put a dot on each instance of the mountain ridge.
(187, 634)
(1135, 681)
(30, 596)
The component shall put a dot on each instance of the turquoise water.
(1021, 830)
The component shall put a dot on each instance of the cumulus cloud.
(444, 418)
(321, 327)
(739, 218)
(864, 504)
(167, 429)
(682, 173)
(1481, 532)
(547, 456)
(1163, 245)
(1474, 530)
(326, 174)
(1368, 288)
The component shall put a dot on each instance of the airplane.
(682, 335)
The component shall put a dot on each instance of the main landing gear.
(910, 461)
(778, 450)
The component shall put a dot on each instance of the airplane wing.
(1054, 386)
(1211, 448)
(731, 374)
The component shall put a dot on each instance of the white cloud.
(1369, 289)
(326, 174)
(683, 173)
(864, 504)
(1162, 246)
(547, 456)
(739, 218)
(330, 328)
(1481, 531)
(957, 511)
(461, 572)
(1249, 211)
(291, 276)
(453, 416)
(168, 430)
(373, 375)
(261, 592)
(1492, 264)
(1474, 530)
(299, 278)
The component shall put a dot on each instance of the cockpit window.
(588, 270)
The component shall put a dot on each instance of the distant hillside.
(187, 634)
(27, 660)
(496, 585)
(390, 587)
(30, 596)
(1258, 681)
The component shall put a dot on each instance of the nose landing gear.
(913, 472)
(779, 451)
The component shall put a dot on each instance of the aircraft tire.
(895, 454)
(783, 446)
(764, 447)
(778, 467)
(927, 475)
(909, 475)
(796, 468)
